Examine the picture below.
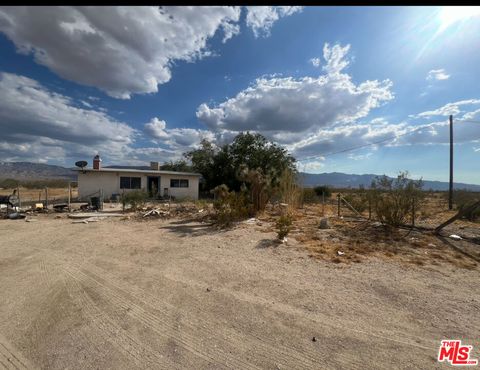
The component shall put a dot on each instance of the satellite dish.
(81, 164)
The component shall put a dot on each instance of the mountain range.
(40, 171)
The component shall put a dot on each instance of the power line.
(366, 145)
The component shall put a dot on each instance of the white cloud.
(156, 128)
(179, 139)
(448, 109)
(315, 62)
(120, 50)
(261, 18)
(38, 124)
(437, 74)
(288, 109)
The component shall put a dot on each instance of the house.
(112, 181)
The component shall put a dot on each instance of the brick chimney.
(96, 162)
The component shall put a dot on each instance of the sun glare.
(453, 14)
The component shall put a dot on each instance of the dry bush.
(392, 199)
(259, 185)
(284, 225)
(230, 206)
(288, 189)
(464, 199)
(136, 199)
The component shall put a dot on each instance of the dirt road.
(179, 295)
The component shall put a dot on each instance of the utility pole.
(450, 189)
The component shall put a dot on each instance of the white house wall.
(91, 182)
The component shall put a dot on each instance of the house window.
(174, 183)
(130, 182)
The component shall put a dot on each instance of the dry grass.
(357, 240)
(28, 195)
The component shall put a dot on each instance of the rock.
(314, 339)
(455, 237)
(340, 253)
(431, 245)
(324, 224)
(208, 289)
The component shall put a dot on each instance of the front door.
(153, 186)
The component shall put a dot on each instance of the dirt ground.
(179, 294)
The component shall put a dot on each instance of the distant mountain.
(39, 171)
(343, 180)
(34, 171)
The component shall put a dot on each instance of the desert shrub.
(288, 189)
(259, 186)
(464, 199)
(392, 199)
(358, 200)
(323, 190)
(135, 199)
(284, 225)
(230, 206)
(309, 195)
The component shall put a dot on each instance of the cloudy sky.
(148, 83)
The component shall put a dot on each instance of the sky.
(141, 84)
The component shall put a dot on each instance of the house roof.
(146, 172)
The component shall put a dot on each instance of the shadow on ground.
(267, 243)
(191, 227)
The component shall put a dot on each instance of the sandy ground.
(174, 294)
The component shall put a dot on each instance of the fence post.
(369, 209)
(338, 205)
(69, 195)
(46, 197)
(19, 199)
(323, 203)
(413, 212)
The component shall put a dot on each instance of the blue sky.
(140, 84)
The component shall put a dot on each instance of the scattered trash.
(455, 237)
(94, 214)
(80, 222)
(431, 245)
(38, 206)
(156, 212)
(250, 221)
(324, 224)
(314, 339)
(284, 240)
(90, 219)
(376, 224)
(340, 253)
(16, 216)
(201, 210)
(30, 219)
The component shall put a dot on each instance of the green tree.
(180, 165)
(226, 164)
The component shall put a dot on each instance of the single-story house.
(111, 181)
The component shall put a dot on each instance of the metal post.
(450, 189)
(413, 212)
(338, 198)
(46, 197)
(323, 203)
(19, 199)
(69, 194)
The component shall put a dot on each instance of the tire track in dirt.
(112, 331)
(11, 358)
(192, 343)
(273, 353)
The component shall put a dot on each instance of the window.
(174, 183)
(130, 182)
